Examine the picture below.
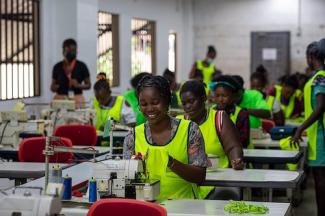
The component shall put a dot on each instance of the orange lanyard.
(69, 72)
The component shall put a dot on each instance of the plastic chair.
(125, 207)
(31, 150)
(267, 125)
(80, 135)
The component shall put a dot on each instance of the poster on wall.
(269, 54)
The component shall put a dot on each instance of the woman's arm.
(54, 86)
(195, 170)
(243, 127)
(84, 86)
(229, 137)
(193, 71)
(319, 110)
(279, 118)
(128, 146)
(260, 113)
(190, 173)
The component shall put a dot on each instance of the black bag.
(278, 133)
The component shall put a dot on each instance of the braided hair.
(158, 82)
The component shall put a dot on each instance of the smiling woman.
(173, 149)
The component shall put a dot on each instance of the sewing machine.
(13, 123)
(67, 116)
(29, 202)
(121, 178)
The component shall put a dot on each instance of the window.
(143, 46)
(107, 46)
(19, 49)
(172, 52)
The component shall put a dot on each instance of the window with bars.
(107, 46)
(143, 46)
(19, 49)
(172, 52)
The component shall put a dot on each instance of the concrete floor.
(308, 205)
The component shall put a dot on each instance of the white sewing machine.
(15, 122)
(29, 202)
(121, 178)
(68, 116)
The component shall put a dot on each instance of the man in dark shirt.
(70, 76)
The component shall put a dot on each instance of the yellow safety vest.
(212, 143)
(312, 129)
(206, 71)
(233, 117)
(102, 115)
(213, 146)
(172, 186)
(287, 109)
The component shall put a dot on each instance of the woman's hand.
(237, 164)
(74, 83)
(297, 137)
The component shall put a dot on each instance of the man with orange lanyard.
(70, 76)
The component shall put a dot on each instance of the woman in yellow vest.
(288, 95)
(314, 98)
(220, 135)
(225, 89)
(173, 149)
(259, 82)
(110, 107)
(206, 66)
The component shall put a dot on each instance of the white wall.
(224, 23)
(61, 19)
(227, 25)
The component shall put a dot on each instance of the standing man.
(70, 76)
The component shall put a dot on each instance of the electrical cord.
(3, 131)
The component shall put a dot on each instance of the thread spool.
(55, 174)
(67, 183)
(92, 190)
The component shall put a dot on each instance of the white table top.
(25, 169)
(271, 156)
(267, 156)
(222, 177)
(101, 149)
(253, 178)
(214, 207)
(79, 173)
(117, 133)
(268, 142)
(194, 208)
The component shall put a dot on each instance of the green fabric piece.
(241, 207)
